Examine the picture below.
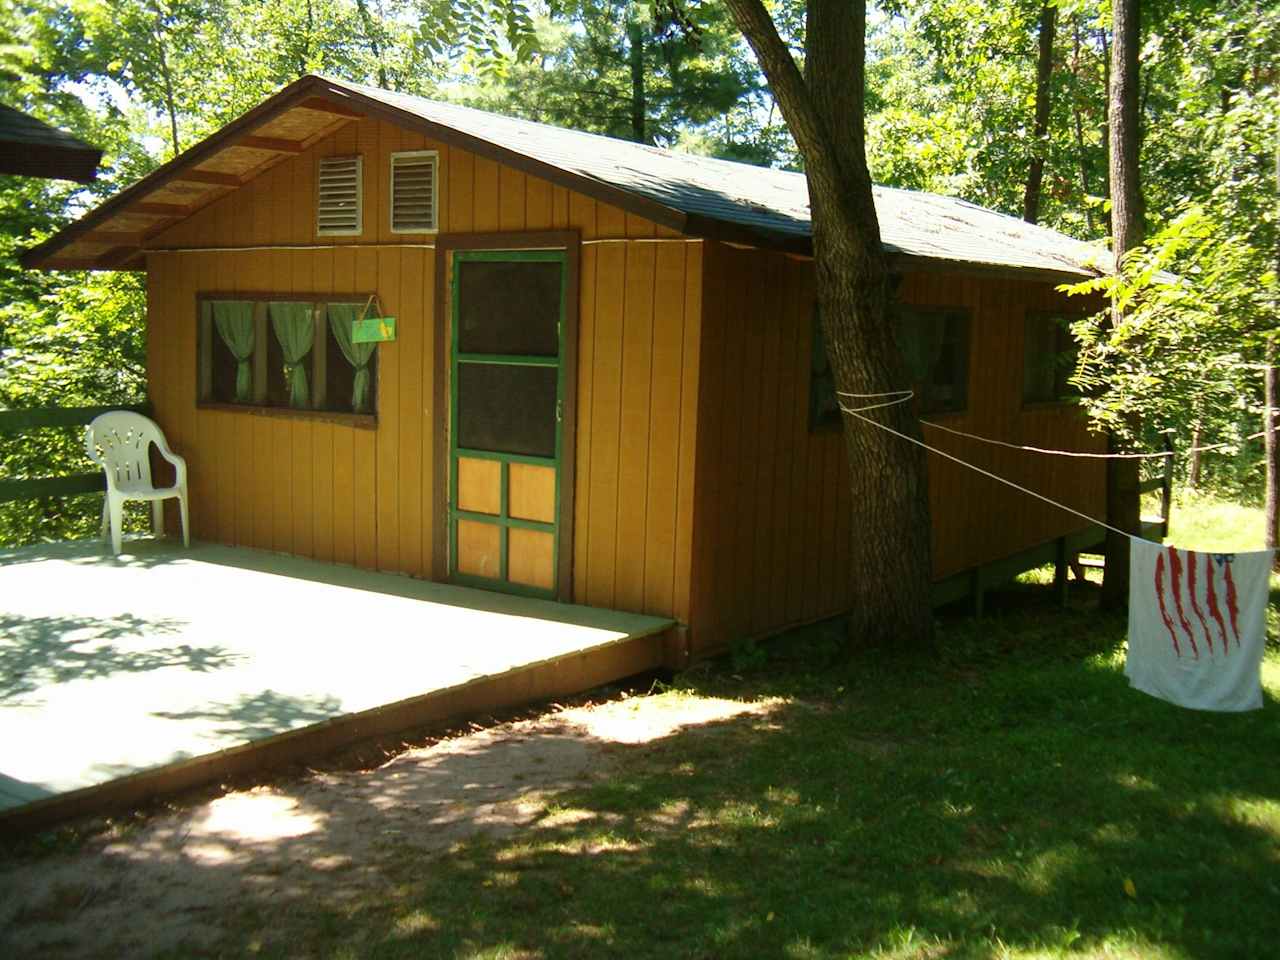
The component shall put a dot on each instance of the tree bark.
(1271, 444)
(1123, 511)
(170, 100)
(370, 32)
(1079, 122)
(1193, 468)
(890, 563)
(639, 102)
(1044, 79)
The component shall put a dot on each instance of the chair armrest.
(179, 464)
(90, 448)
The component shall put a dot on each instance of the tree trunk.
(1079, 122)
(1044, 78)
(639, 102)
(371, 34)
(170, 100)
(1271, 444)
(890, 562)
(1193, 468)
(1126, 231)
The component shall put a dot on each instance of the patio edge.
(558, 676)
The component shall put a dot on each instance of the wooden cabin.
(604, 382)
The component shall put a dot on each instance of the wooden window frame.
(434, 155)
(943, 309)
(1058, 318)
(260, 299)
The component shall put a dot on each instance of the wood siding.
(337, 491)
(772, 496)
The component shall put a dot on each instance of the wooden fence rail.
(20, 421)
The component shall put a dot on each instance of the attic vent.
(413, 191)
(338, 206)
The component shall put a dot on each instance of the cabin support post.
(1166, 488)
(1061, 560)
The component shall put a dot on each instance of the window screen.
(1049, 359)
(935, 346)
(824, 410)
(509, 307)
(507, 408)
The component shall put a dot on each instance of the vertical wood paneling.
(511, 199)
(485, 195)
(633, 435)
(365, 462)
(388, 435)
(665, 378)
(762, 462)
(689, 385)
(408, 456)
(582, 472)
(606, 411)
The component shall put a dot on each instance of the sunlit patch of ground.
(292, 842)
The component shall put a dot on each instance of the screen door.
(506, 414)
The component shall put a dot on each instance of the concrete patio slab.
(113, 666)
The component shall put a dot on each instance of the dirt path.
(173, 881)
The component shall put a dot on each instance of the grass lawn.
(1011, 797)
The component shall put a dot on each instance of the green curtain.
(234, 321)
(341, 318)
(294, 324)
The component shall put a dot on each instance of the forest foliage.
(955, 89)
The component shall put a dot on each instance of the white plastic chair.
(120, 442)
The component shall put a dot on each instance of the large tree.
(823, 103)
(1127, 224)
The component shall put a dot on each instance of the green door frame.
(503, 519)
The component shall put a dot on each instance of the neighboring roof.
(699, 196)
(31, 148)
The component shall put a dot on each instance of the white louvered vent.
(339, 204)
(413, 191)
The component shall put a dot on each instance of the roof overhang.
(32, 148)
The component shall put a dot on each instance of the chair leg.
(186, 518)
(117, 525)
(157, 518)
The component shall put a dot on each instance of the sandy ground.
(171, 882)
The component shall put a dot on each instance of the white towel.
(1197, 625)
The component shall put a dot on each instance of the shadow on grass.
(1010, 796)
(37, 652)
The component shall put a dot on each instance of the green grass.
(1010, 797)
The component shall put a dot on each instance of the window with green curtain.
(294, 326)
(284, 352)
(1049, 354)
(358, 355)
(233, 324)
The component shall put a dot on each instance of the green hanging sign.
(373, 330)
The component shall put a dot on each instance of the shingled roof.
(699, 196)
(31, 148)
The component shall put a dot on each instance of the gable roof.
(698, 196)
(31, 148)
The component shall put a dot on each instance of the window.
(935, 345)
(340, 197)
(413, 191)
(1049, 358)
(824, 410)
(285, 352)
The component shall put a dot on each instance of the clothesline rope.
(902, 396)
(857, 412)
